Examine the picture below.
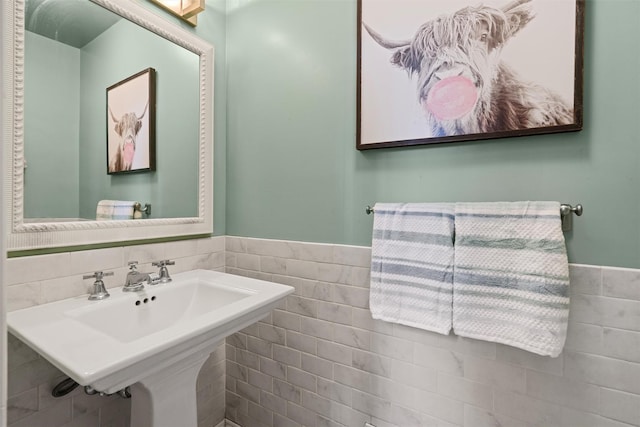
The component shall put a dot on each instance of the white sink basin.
(143, 338)
(166, 306)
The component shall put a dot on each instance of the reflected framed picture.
(131, 124)
(459, 70)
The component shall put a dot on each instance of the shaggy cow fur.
(127, 129)
(468, 43)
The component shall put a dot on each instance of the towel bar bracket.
(565, 214)
(145, 210)
(566, 217)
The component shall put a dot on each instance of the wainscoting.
(319, 360)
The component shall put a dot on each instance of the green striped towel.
(511, 281)
(412, 265)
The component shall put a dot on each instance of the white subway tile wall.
(41, 279)
(320, 360)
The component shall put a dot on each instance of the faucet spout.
(135, 279)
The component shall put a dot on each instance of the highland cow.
(127, 128)
(463, 85)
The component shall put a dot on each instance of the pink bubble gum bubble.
(129, 151)
(452, 98)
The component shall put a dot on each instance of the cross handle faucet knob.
(163, 274)
(99, 291)
(98, 275)
(163, 263)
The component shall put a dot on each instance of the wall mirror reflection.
(74, 51)
(68, 56)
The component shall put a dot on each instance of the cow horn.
(514, 4)
(112, 116)
(145, 111)
(387, 44)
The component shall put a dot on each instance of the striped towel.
(114, 209)
(511, 281)
(412, 265)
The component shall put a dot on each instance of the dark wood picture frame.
(443, 97)
(131, 124)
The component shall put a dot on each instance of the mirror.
(61, 121)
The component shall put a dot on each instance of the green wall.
(51, 128)
(212, 26)
(293, 171)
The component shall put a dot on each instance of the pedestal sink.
(155, 340)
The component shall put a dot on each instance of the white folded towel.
(511, 281)
(114, 209)
(412, 265)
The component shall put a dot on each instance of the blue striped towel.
(511, 281)
(114, 209)
(412, 265)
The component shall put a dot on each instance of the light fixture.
(183, 9)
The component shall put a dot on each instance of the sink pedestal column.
(168, 397)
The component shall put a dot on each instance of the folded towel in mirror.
(115, 209)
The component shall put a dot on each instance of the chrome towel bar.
(565, 214)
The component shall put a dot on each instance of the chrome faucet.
(135, 279)
(99, 291)
(163, 273)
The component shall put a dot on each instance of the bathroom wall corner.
(4, 134)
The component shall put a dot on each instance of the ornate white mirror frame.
(24, 236)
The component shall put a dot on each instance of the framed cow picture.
(460, 70)
(131, 124)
